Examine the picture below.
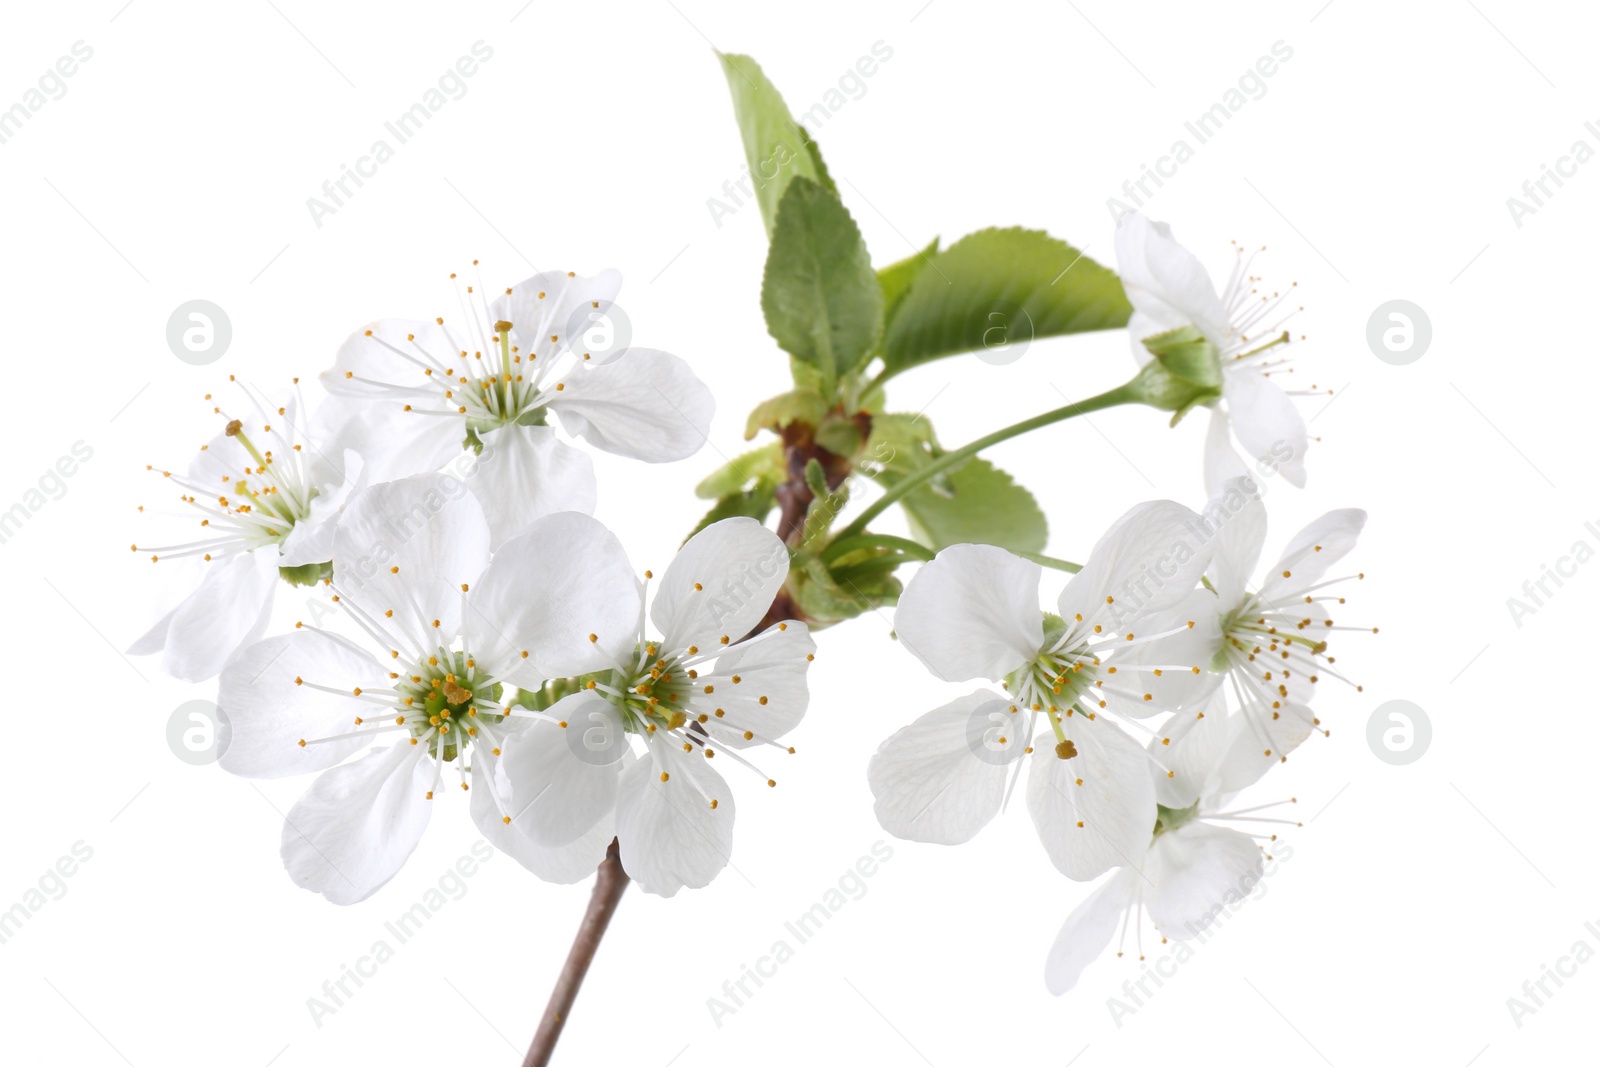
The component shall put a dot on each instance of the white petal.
(545, 592)
(1149, 561)
(1312, 551)
(154, 639)
(1087, 931)
(526, 473)
(1199, 739)
(358, 823)
(942, 778)
(1141, 326)
(544, 309)
(392, 442)
(770, 697)
(738, 565)
(1164, 280)
(311, 540)
(562, 864)
(1116, 804)
(1260, 736)
(643, 404)
(269, 714)
(228, 609)
(1221, 461)
(222, 461)
(973, 612)
(1196, 870)
(669, 833)
(1266, 422)
(560, 781)
(409, 546)
(1193, 636)
(1240, 519)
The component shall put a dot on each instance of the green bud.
(1185, 372)
(840, 435)
(816, 479)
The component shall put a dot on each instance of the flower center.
(443, 698)
(656, 695)
(257, 510)
(1172, 818)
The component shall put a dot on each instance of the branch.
(609, 883)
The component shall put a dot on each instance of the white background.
(1376, 166)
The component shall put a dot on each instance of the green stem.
(841, 546)
(1122, 394)
(875, 567)
(1051, 562)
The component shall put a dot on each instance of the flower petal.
(392, 442)
(1087, 931)
(720, 584)
(670, 834)
(642, 403)
(942, 778)
(526, 473)
(545, 592)
(1324, 542)
(409, 546)
(1221, 461)
(1141, 326)
(769, 699)
(1149, 561)
(1240, 520)
(358, 823)
(1193, 636)
(1266, 422)
(560, 780)
(311, 540)
(1260, 736)
(543, 309)
(562, 864)
(270, 710)
(228, 609)
(1096, 809)
(1164, 281)
(1199, 740)
(972, 612)
(1195, 871)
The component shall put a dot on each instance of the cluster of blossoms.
(1168, 678)
(491, 634)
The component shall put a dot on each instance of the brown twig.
(609, 883)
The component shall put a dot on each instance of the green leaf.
(896, 278)
(979, 504)
(825, 599)
(797, 405)
(821, 297)
(899, 443)
(1001, 286)
(814, 150)
(774, 145)
(764, 464)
